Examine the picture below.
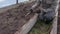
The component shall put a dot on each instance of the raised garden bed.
(12, 20)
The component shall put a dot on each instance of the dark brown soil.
(13, 19)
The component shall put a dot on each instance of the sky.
(4, 3)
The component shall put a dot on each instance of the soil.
(13, 19)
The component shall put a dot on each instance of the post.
(16, 1)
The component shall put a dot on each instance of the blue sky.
(4, 3)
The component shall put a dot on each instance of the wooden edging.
(54, 25)
(27, 27)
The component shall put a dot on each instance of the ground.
(40, 28)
